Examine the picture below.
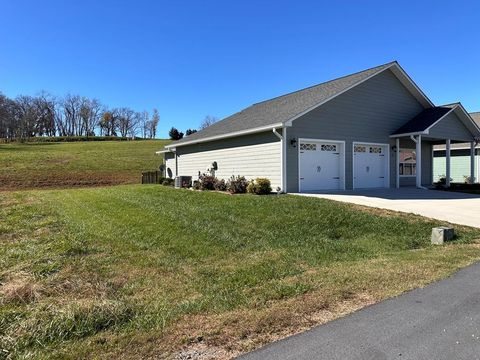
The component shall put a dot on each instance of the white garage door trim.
(342, 159)
(387, 166)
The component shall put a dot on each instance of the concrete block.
(442, 234)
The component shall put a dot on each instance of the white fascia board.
(460, 106)
(409, 134)
(411, 82)
(436, 122)
(163, 151)
(229, 135)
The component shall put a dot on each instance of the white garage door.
(320, 165)
(370, 169)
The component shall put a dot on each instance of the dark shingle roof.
(424, 120)
(282, 108)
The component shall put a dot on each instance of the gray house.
(372, 129)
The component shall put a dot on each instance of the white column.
(448, 175)
(419, 161)
(284, 159)
(472, 162)
(397, 163)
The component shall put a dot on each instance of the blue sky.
(193, 58)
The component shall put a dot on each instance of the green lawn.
(91, 163)
(146, 271)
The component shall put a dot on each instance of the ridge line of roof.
(325, 82)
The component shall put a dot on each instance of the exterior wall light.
(293, 142)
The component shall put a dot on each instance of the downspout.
(282, 164)
(174, 150)
(416, 142)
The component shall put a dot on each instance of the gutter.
(226, 136)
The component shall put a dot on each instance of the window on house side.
(408, 162)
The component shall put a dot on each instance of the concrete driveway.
(440, 321)
(453, 207)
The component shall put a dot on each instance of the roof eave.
(424, 132)
(228, 135)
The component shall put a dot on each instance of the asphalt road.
(438, 322)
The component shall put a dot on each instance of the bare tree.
(127, 121)
(108, 123)
(154, 123)
(45, 109)
(144, 123)
(72, 115)
(209, 120)
(90, 113)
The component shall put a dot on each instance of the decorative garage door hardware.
(328, 147)
(308, 147)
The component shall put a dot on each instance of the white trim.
(460, 106)
(423, 95)
(397, 163)
(432, 165)
(436, 122)
(163, 151)
(409, 134)
(387, 168)
(342, 142)
(472, 162)
(282, 156)
(418, 167)
(228, 135)
(448, 170)
(284, 159)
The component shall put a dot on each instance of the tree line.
(72, 115)
(175, 134)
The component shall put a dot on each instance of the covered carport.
(445, 124)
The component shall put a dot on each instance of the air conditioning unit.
(183, 182)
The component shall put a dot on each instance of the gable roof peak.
(378, 67)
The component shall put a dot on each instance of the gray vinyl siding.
(369, 112)
(427, 163)
(254, 155)
(451, 127)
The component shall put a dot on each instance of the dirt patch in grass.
(63, 180)
(20, 289)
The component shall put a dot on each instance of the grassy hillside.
(146, 271)
(32, 165)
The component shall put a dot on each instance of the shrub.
(206, 182)
(220, 185)
(261, 186)
(237, 185)
(442, 182)
(168, 182)
(196, 185)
